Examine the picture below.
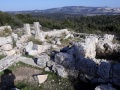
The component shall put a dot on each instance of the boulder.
(35, 49)
(108, 37)
(104, 87)
(6, 47)
(86, 67)
(55, 47)
(29, 49)
(40, 78)
(33, 52)
(27, 30)
(86, 48)
(104, 47)
(42, 60)
(14, 36)
(65, 59)
(73, 73)
(116, 74)
(103, 71)
(71, 51)
(41, 48)
(5, 40)
(58, 42)
(50, 63)
(38, 33)
(60, 70)
(8, 61)
(69, 36)
(47, 69)
(29, 46)
(10, 52)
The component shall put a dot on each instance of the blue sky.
(16, 5)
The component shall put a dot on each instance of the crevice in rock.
(108, 55)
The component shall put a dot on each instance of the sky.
(17, 5)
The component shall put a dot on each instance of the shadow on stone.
(80, 85)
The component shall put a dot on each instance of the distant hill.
(79, 10)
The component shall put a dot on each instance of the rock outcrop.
(104, 87)
(42, 60)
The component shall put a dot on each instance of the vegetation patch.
(2, 56)
(35, 41)
(5, 32)
(54, 82)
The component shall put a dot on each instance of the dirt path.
(25, 73)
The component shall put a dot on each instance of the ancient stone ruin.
(88, 57)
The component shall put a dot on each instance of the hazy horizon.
(23, 5)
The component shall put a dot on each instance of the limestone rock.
(60, 70)
(104, 45)
(27, 30)
(50, 63)
(104, 87)
(65, 59)
(69, 36)
(33, 52)
(10, 53)
(87, 48)
(37, 49)
(87, 67)
(116, 74)
(38, 33)
(29, 46)
(6, 47)
(42, 60)
(103, 70)
(41, 48)
(71, 51)
(47, 69)
(40, 78)
(8, 61)
(73, 73)
(58, 42)
(14, 36)
(29, 49)
(5, 40)
(108, 37)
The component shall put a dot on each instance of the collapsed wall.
(80, 61)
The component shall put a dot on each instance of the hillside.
(80, 10)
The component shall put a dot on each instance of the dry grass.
(5, 32)
(35, 41)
